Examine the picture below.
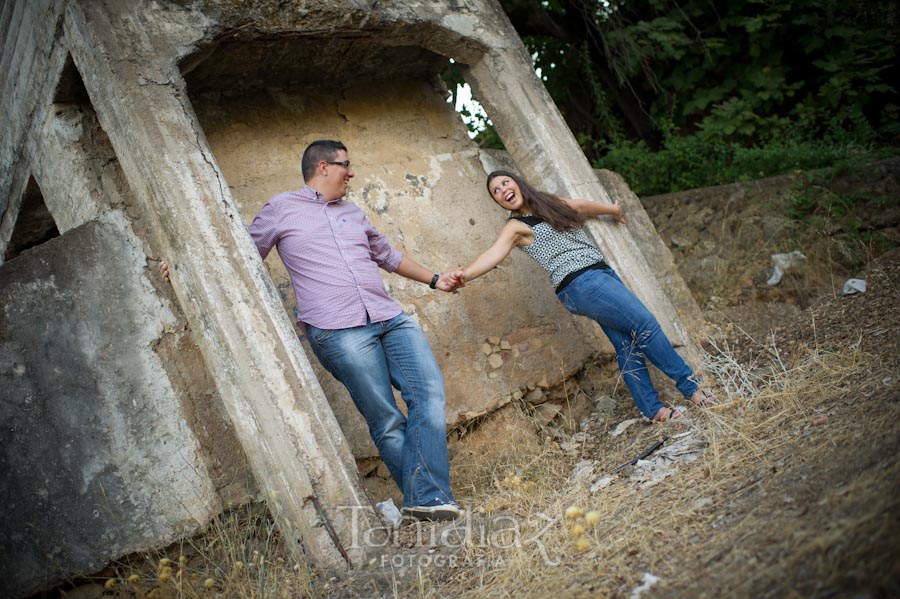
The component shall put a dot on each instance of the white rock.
(854, 286)
(602, 483)
(583, 470)
(782, 263)
(702, 503)
(648, 583)
(620, 428)
(389, 512)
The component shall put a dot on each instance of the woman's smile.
(506, 193)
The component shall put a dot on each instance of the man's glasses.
(343, 163)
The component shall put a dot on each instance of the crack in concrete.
(200, 146)
(147, 81)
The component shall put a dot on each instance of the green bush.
(713, 157)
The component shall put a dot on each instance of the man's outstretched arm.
(411, 269)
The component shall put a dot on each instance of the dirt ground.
(789, 488)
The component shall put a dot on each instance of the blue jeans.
(369, 360)
(634, 332)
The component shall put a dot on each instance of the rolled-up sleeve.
(264, 229)
(381, 251)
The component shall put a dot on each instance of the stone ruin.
(133, 412)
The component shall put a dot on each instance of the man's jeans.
(634, 332)
(369, 360)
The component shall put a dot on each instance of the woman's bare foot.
(702, 397)
(665, 414)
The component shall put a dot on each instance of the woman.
(548, 228)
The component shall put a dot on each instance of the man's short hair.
(322, 149)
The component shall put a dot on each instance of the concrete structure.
(139, 130)
(97, 446)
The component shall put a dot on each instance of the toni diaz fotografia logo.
(471, 533)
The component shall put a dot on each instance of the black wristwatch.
(434, 280)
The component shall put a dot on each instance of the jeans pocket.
(319, 336)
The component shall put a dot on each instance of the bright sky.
(465, 100)
(477, 117)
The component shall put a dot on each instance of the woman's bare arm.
(588, 208)
(513, 234)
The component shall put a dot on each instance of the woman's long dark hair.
(546, 206)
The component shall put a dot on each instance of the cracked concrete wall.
(29, 71)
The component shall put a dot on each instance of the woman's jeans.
(369, 360)
(634, 332)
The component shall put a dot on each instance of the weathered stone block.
(96, 455)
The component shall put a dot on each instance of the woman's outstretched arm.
(513, 234)
(588, 208)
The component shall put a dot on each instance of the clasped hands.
(451, 280)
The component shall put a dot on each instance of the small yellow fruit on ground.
(134, 579)
(238, 565)
(592, 518)
(574, 512)
(111, 583)
(582, 544)
(209, 583)
(577, 530)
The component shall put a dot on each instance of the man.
(359, 334)
(357, 331)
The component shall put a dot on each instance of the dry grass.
(758, 514)
(240, 556)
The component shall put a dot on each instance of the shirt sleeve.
(380, 249)
(264, 229)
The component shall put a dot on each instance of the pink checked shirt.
(332, 253)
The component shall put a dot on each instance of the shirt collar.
(311, 195)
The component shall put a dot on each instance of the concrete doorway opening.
(34, 224)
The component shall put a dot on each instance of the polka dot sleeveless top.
(561, 254)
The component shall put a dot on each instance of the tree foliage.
(754, 71)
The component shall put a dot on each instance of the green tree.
(756, 71)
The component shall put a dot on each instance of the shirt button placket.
(338, 242)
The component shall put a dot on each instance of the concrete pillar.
(291, 438)
(27, 80)
(71, 187)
